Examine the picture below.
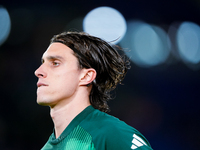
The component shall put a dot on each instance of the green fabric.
(96, 130)
(78, 139)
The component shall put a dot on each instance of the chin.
(42, 103)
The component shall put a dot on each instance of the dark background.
(162, 102)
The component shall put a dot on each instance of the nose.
(40, 72)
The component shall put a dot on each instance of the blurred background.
(161, 92)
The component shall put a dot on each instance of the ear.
(87, 76)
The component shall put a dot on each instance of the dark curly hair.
(93, 52)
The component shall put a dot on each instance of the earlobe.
(88, 76)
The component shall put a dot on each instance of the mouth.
(41, 84)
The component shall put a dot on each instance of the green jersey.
(96, 130)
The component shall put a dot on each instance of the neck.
(63, 114)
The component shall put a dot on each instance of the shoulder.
(111, 132)
(105, 122)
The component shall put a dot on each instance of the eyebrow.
(52, 58)
(71, 47)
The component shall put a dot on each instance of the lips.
(39, 84)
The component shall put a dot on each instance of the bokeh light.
(5, 24)
(106, 23)
(148, 44)
(172, 32)
(188, 40)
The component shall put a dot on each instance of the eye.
(42, 61)
(55, 63)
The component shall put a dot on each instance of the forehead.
(58, 49)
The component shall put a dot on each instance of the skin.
(62, 85)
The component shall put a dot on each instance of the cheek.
(65, 88)
(67, 81)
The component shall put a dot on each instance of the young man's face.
(58, 76)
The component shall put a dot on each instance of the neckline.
(76, 121)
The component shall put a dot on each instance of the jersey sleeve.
(139, 143)
(110, 133)
(126, 139)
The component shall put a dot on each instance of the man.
(78, 72)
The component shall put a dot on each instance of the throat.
(61, 120)
(62, 117)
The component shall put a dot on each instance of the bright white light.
(106, 23)
(188, 39)
(4, 24)
(148, 44)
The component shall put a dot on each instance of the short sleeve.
(125, 139)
